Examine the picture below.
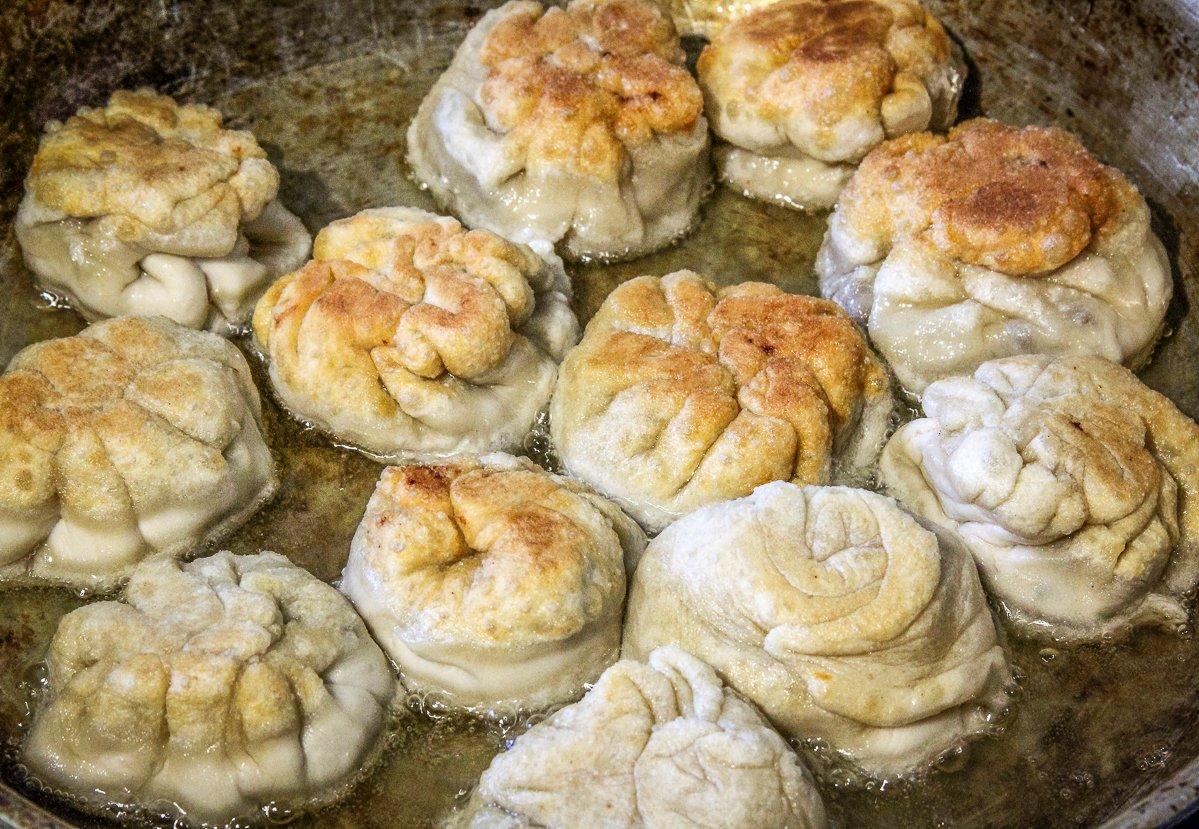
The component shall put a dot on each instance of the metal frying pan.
(1101, 735)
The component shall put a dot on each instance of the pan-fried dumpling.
(1075, 486)
(409, 335)
(656, 743)
(491, 583)
(146, 207)
(801, 90)
(135, 439)
(578, 125)
(681, 394)
(994, 242)
(836, 613)
(215, 686)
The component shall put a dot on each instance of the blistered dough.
(994, 242)
(578, 125)
(1075, 486)
(654, 744)
(836, 613)
(409, 335)
(681, 394)
(135, 439)
(801, 90)
(492, 584)
(146, 207)
(218, 686)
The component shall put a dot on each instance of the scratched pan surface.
(1101, 734)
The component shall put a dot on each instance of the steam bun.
(492, 584)
(652, 744)
(994, 242)
(1074, 485)
(137, 438)
(680, 395)
(802, 89)
(146, 207)
(219, 686)
(836, 613)
(409, 335)
(577, 125)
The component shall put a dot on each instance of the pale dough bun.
(801, 90)
(994, 242)
(137, 438)
(409, 335)
(216, 687)
(1075, 486)
(680, 395)
(146, 207)
(659, 743)
(579, 126)
(836, 613)
(492, 584)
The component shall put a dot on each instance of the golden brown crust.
(580, 85)
(493, 553)
(810, 66)
(786, 374)
(428, 296)
(1022, 201)
(152, 167)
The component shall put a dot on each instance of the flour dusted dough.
(1074, 485)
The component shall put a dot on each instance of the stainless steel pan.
(1101, 734)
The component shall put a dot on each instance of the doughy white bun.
(681, 394)
(1074, 485)
(135, 439)
(492, 584)
(802, 89)
(410, 336)
(836, 613)
(654, 743)
(994, 242)
(218, 686)
(145, 207)
(579, 126)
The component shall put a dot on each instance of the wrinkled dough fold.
(578, 126)
(1072, 483)
(492, 584)
(409, 335)
(651, 741)
(994, 242)
(135, 439)
(836, 613)
(145, 207)
(218, 685)
(680, 395)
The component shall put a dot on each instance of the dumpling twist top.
(1072, 483)
(491, 582)
(220, 685)
(408, 333)
(575, 86)
(680, 394)
(651, 741)
(135, 438)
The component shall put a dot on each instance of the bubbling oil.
(1089, 727)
